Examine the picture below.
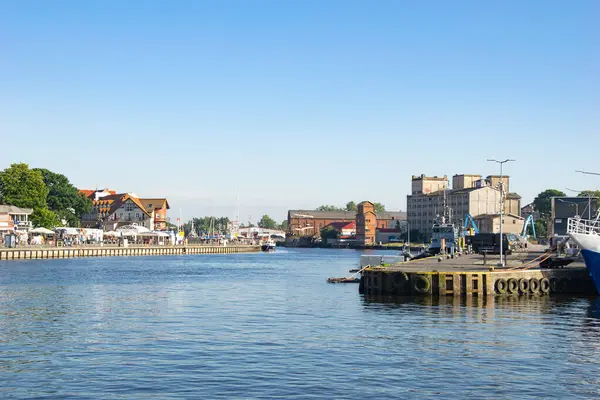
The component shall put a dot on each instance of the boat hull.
(590, 250)
(267, 247)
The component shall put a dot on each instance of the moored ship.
(586, 233)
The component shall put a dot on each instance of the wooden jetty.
(97, 251)
(474, 275)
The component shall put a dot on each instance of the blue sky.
(299, 103)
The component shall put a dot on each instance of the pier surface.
(28, 253)
(476, 275)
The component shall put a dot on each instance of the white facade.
(130, 212)
(424, 208)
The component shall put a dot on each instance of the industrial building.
(305, 223)
(470, 194)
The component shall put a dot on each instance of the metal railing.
(583, 226)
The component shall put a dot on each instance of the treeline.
(54, 200)
(220, 225)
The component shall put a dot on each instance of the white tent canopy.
(132, 230)
(42, 230)
(148, 234)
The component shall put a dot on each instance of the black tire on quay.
(523, 286)
(555, 285)
(501, 286)
(544, 285)
(534, 285)
(512, 286)
(421, 284)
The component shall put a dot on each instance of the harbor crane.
(528, 222)
(470, 221)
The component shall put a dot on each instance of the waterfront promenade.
(43, 252)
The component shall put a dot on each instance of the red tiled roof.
(111, 203)
(89, 192)
(86, 192)
(340, 225)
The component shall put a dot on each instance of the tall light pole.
(573, 203)
(589, 196)
(501, 206)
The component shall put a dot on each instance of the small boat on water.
(268, 245)
(586, 233)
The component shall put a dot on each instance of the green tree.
(267, 222)
(590, 193)
(329, 208)
(351, 206)
(22, 187)
(64, 198)
(328, 232)
(378, 207)
(42, 217)
(541, 228)
(542, 202)
(284, 225)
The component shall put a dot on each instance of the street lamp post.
(573, 203)
(501, 207)
(589, 197)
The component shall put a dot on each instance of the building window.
(129, 206)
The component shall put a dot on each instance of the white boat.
(268, 245)
(443, 234)
(586, 233)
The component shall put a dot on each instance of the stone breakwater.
(76, 252)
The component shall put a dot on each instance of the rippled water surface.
(269, 326)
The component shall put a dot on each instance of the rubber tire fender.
(500, 285)
(512, 286)
(523, 285)
(534, 285)
(556, 285)
(421, 284)
(544, 285)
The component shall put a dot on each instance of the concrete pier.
(73, 252)
(468, 275)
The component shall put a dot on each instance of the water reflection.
(593, 310)
(522, 303)
(268, 326)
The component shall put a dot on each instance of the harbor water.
(267, 325)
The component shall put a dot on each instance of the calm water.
(269, 326)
